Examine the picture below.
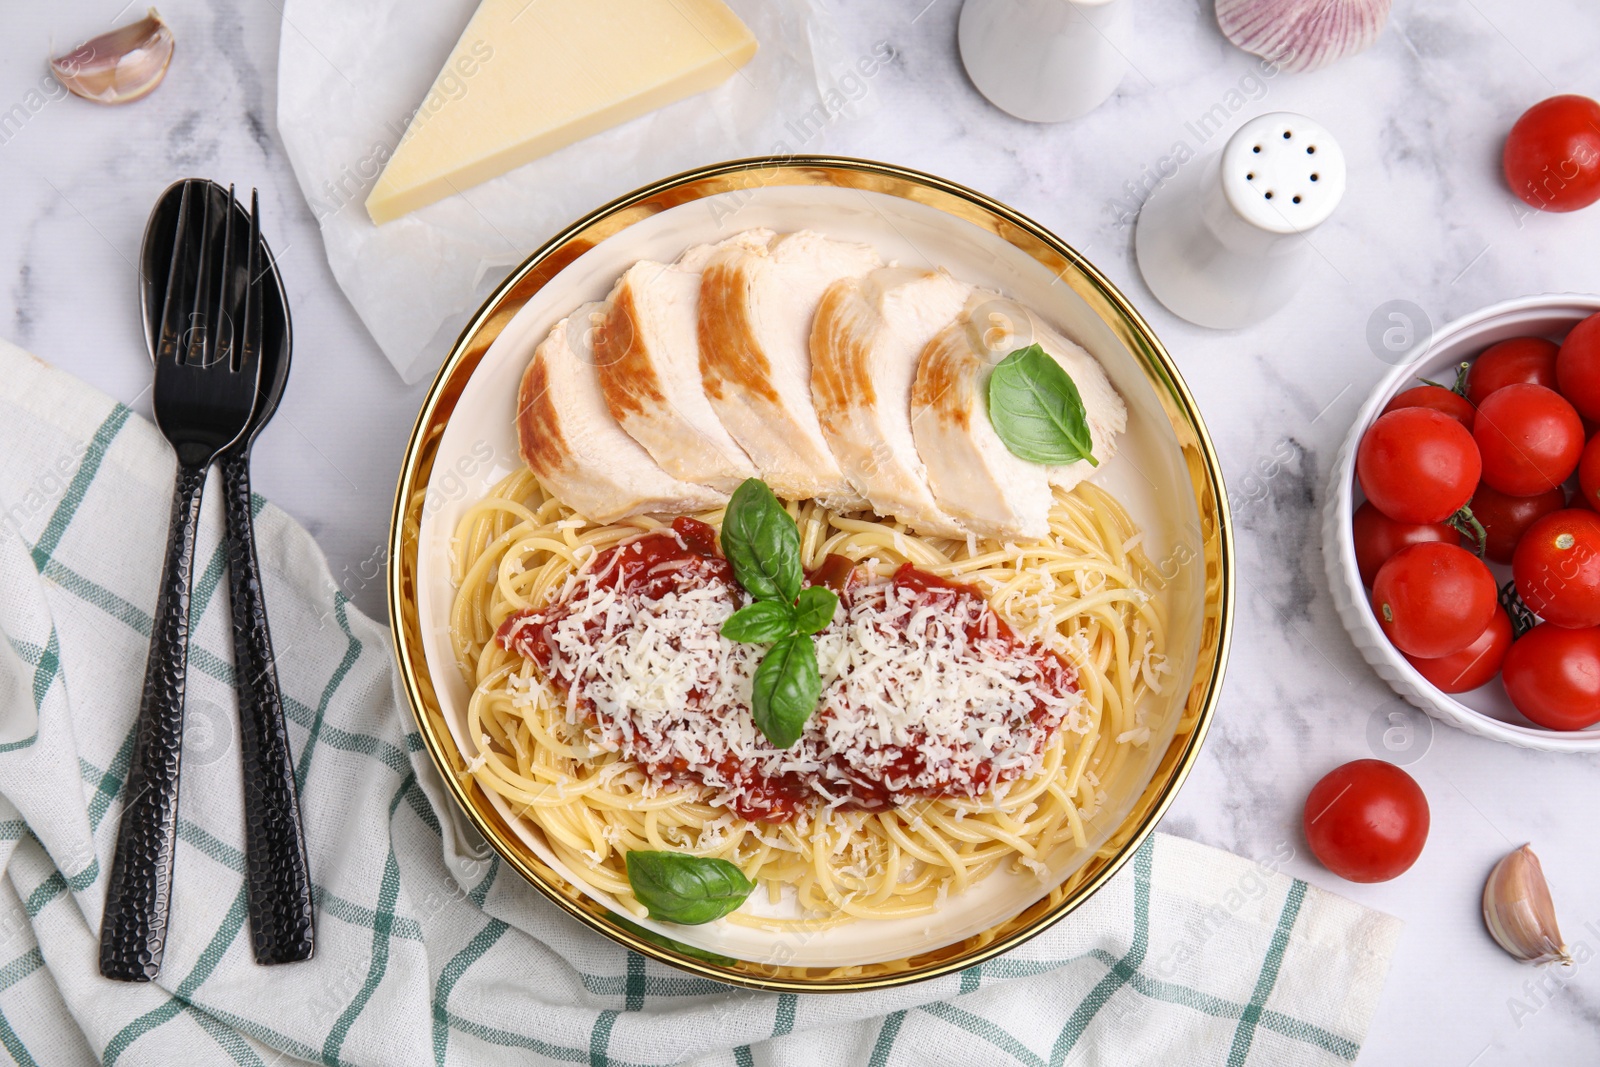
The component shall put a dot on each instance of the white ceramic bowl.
(1485, 711)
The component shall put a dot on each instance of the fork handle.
(276, 868)
(133, 931)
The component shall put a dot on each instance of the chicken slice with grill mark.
(866, 341)
(568, 438)
(757, 305)
(649, 360)
(974, 477)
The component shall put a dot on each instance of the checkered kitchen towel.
(428, 951)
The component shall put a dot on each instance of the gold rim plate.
(1200, 460)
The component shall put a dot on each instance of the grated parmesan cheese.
(924, 693)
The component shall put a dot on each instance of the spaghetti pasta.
(1083, 593)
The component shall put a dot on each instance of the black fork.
(207, 370)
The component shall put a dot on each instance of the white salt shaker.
(1223, 243)
(1044, 60)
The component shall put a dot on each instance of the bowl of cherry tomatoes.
(1462, 529)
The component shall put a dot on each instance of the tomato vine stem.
(1467, 524)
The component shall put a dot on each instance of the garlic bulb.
(1518, 910)
(118, 67)
(1301, 35)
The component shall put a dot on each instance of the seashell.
(1299, 35)
(118, 67)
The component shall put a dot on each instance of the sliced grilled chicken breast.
(649, 360)
(866, 341)
(569, 439)
(1103, 408)
(757, 304)
(974, 477)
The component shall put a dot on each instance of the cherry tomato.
(1367, 821)
(1433, 599)
(1552, 675)
(1417, 465)
(1557, 568)
(1589, 474)
(1578, 367)
(1378, 537)
(1439, 399)
(1520, 359)
(1529, 439)
(1474, 665)
(1506, 518)
(1552, 155)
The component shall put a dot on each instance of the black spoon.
(276, 869)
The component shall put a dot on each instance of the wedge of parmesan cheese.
(531, 76)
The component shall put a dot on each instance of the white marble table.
(1421, 117)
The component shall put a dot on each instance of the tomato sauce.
(658, 564)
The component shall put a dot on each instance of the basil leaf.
(762, 542)
(684, 889)
(815, 609)
(761, 623)
(785, 690)
(1035, 408)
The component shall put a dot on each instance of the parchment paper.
(351, 73)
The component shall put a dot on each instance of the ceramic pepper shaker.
(1044, 60)
(1223, 243)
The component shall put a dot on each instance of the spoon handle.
(133, 931)
(277, 871)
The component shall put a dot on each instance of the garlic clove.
(1298, 35)
(1518, 910)
(118, 67)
